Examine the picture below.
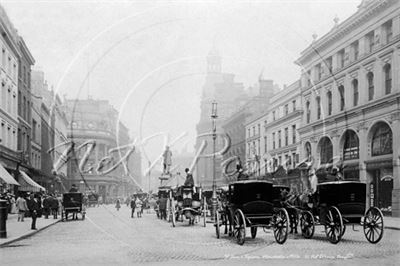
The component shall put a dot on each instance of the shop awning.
(27, 184)
(6, 177)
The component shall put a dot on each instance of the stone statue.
(167, 161)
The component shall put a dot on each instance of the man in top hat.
(73, 188)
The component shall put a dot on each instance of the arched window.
(341, 95)
(318, 100)
(329, 96)
(308, 150)
(382, 140)
(308, 111)
(326, 150)
(354, 84)
(388, 78)
(351, 146)
(370, 79)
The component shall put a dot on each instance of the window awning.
(6, 177)
(27, 184)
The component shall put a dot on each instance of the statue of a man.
(167, 160)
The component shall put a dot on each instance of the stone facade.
(350, 95)
(97, 120)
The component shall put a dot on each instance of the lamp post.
(214, 117)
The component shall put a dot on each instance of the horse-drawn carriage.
(72, 203)
(93, 199)
(337, 204)
(187, 203)
(250, 204)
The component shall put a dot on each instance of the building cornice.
(337, 33)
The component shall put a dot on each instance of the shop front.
(381, 185)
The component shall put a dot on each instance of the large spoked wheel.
(217, 224)
(253, 231)
(334, 225)
(173, 214)
(373, 225)
(239, 227)
(307, 224)
(281, 225)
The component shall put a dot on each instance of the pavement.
(111, 237)
(20, 230)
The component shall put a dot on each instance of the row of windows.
(8, 99)
(8, 64)
(381, 144)
(36, 160)
(387, 75)
(286, 138)
(8, 136)
(24, 107)
(287, 108)
(370, 41)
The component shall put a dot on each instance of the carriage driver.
(189, 178)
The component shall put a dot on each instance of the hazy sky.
(148, 58)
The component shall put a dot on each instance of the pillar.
(396, 165)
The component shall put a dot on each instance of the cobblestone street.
(108, 237)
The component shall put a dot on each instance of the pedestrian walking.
(46, 206)
(34, 208)
(133, 206)
(139, 207)
(54, 206)
(118, 205)
(163, 207)
(22, 207)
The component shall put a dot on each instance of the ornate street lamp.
(214, 117)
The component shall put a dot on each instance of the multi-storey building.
(222, 88)
(280, 135)
(235, 125)
(9, 55)
(25, 63)
(96, 121)
(271, 136)
(350, 94)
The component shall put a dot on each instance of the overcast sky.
(148, 58)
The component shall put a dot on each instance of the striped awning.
(6, 177)
(27, 184)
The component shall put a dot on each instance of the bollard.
(3, 215)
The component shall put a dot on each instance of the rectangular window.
(341, 58)
(308, 112)
(273, 115)
(329, 96)
(355, 50)
(273, 141)
(294, 157)
(388, 28)
(319, 71)
(370, 41)
(286, 109)
(308, 78)
(294, 134)
(294, 105)
(259, 129)
(248, 132)
(265, 144)
(341, 94)
(328, 63)
(254, 131)
(279, 139)
(318, 100)
(286, 136)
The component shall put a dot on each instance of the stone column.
(379, 87)
(396, 165)
(363, 155)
